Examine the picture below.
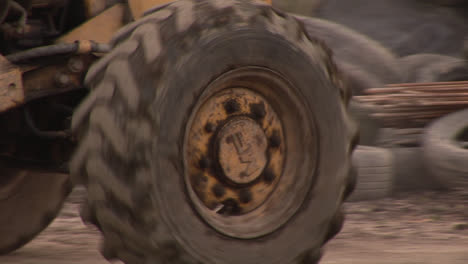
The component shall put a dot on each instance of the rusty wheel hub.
(237, 154)
(242, 150)
(238, 175)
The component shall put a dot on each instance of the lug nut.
(258, 110)
(230, 207)
(275, 140)
(210, 127)
(218, 190)
(245, 196)
(204, 163)
(268, 176)
(199, 180)
(231, 106)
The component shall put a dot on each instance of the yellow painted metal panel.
(100, 28)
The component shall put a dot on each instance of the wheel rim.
(239, 158)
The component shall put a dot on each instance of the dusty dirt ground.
(429, 228)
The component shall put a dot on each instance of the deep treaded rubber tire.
(443, 157)
(132, 124)
(361, 57)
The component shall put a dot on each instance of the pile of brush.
(414, 105)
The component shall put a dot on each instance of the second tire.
(374, 173)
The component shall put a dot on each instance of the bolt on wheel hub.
(242, 150)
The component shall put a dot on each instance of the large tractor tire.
(363, 59)
(215, 132)
(29, 201)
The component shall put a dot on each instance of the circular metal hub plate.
(242, 150)
(235, 151)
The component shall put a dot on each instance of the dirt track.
(429, 228)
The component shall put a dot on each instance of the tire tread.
(113, 198)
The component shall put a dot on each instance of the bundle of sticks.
(414, 105)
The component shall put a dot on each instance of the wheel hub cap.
(242, 150)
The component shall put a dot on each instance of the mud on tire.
(132, 130)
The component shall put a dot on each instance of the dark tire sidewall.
(191, 73)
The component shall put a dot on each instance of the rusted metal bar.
(442, 86)
(57, 77)
(408, 115)
(418, 95)
(426, 84)
(415, 104)
(21, 85)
